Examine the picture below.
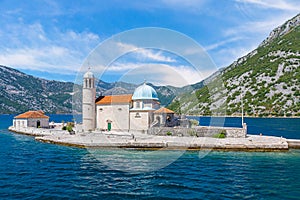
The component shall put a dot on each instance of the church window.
(101, 109)
(137, 115)
(138, 104)
(119, 109)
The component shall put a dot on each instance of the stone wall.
(199, 131)
(117, 114)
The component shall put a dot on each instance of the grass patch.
(222, 134)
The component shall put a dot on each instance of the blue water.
(34, 170)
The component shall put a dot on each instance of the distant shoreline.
(225, 116)
(293, 117)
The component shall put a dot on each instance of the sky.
(56, 39)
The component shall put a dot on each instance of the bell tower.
(88, 102)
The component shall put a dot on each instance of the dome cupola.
(144, 92)
(88, 74)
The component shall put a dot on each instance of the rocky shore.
(113, 139)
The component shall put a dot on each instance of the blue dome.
(144, 92)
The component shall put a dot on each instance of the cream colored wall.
(139, 123)
(31, 122)
(20, 123)
(117, 113)
(88, 108)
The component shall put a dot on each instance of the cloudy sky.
(53, 39)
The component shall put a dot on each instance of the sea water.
(35, 170)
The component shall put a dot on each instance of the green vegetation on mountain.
(267, 80)
(21, 92)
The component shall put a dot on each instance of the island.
(139, 121)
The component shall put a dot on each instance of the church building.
(138, 111)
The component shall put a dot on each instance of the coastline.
(245, 116)
(227, 116)
(140, 141)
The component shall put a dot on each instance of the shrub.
(169, 133)
(69, 128)
(194, 122)
(71, 124)
(221, 134)
(192, 133)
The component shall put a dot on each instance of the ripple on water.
(29, 169)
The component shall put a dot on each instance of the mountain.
(20, 92)
(267, 80)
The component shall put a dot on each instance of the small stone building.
(36, 119)
(164, 117)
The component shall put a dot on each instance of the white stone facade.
(31, 122)
(88, 102)
(118, 112)
(115, 114)
(140, 120)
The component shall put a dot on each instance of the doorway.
(109, 126)
(38, 124)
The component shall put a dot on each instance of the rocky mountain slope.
(266, 81)
(20, 92)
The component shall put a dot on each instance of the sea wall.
(199, 131)
(35, 131)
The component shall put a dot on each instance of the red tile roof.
(32, 114)
(115, 99)
(164, 110)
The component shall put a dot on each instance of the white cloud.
(247, 36)
(258, 27)
(227, 56)
(221, 43)
(28, 46)
(144, 53)
(159, 74)
(287, 5)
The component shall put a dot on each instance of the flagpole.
(242, 110)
